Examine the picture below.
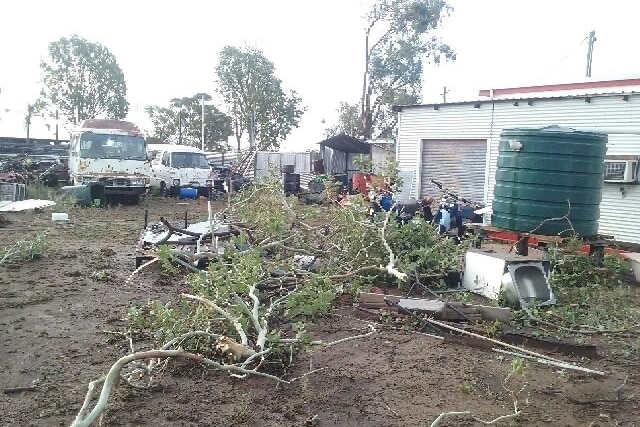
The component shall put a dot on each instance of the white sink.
(635, 263)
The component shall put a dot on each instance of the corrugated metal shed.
(265, 161)
(486, 119)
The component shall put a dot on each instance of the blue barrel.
(188, 193)
(385, 203)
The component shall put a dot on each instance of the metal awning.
(346, 144)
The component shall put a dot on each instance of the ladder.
(246, 162)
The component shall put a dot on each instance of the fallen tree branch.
(233, 320)
(564, 217)
(630, 329)
(391, 266)
(139, 269)
(372, 330)
(360, 270)
(467, 414)
(503, 344)
(109, 381)
(562, 365)
(11, 390)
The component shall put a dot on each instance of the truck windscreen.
(105, 146)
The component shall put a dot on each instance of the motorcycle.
(454, 211)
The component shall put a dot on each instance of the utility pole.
(444, 95)
(180, 127)
(202, 113)
(592, 40)
(252, 132)
(56, 143)
(28, 119)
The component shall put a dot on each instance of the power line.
(566, 56)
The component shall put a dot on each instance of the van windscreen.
(189, 160)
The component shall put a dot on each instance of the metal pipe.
(202, 115)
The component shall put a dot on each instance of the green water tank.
(540, 171)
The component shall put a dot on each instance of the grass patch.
(36, 190)
(25, 250)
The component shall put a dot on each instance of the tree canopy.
(181, 122)
(83, 80)
(255, 97)
(349, 122)
(397, 41)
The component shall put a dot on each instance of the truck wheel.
(164, 192)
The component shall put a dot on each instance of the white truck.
(180, 166)
(112, 152)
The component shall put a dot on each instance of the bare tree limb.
(467, 414)
(85, 420)
(139, 269)
(233, 320)
(372, 330)
(562, 365)
(390, 267)
(630, 329)
(500, 343)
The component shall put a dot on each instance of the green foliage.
(36, 190)
(518, 367)
(84, 78)
(254, 95)
(575, 269)
(589, 295)
(363, 162)
(166, 320)
(312, 300)
(420, 250)
(185, 115)
(348, 123)
(398, 40)
(273, 230)
(166, 259)
(491, 329)
(391, 169)
(25, 250)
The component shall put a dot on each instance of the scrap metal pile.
(193, 244)
(50, 170)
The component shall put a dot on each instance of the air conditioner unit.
(625, 171)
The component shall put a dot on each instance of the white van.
(180, 166)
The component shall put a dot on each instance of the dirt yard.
(57, 314)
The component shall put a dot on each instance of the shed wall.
(465, 121)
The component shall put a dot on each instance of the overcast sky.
(169, 49)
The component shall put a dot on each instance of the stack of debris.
(194, 243)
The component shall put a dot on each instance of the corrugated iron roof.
(346, 144)
(479, 102)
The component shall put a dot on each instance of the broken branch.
(390, 267)
(233, 320)
(630, 329)
(468, 414)
(114, 373)
(562, 365)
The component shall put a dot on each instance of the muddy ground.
(54, 313)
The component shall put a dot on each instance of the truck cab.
(180, 166)
(112, 152)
